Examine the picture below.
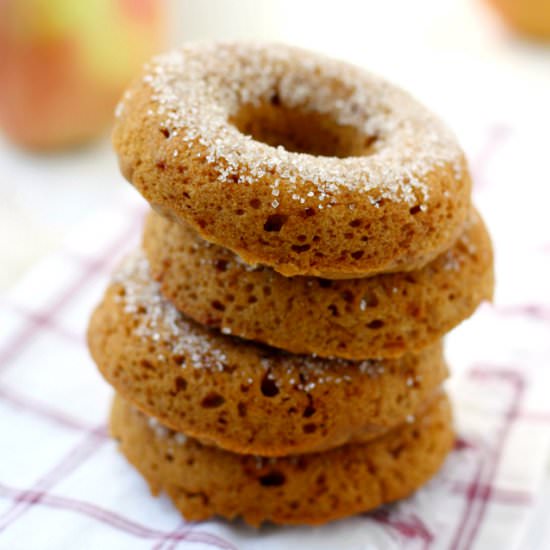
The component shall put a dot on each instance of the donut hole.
(301, 131)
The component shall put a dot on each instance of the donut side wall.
(356, 236)
(311, 489)
(380, 316)
(248, 398)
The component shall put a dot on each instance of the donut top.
(157, 320)
(197, 89)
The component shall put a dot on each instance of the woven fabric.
(64, 485)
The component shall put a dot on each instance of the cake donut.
(310, 489)
(293, 160)
(380, 316)
(242, 396)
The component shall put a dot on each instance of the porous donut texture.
(242, 396)
(293, 160)
(205, 481)
(381, 316)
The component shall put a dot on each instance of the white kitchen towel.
(63, 485)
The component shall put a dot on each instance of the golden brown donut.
(242, 396)
(293, 160)
(310, 489)
(381, 316)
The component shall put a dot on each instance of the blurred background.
(482, 65)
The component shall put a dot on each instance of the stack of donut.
(275, 344)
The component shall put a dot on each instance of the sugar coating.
(197, 88)
(160, 321)
(162, 431)
(275, 403)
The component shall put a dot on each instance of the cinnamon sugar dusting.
(196, 89)
(159, 321)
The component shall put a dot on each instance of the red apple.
(64, 64)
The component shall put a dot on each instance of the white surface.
(81, 493)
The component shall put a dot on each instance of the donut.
(528, 17)
(310, 489)
(292, 160)
(242, 396)
(380, 316)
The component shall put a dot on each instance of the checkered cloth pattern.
(63, 485)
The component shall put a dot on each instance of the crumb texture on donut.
(311, 489)
(242, 396)
(293, 160)
(380, 316)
